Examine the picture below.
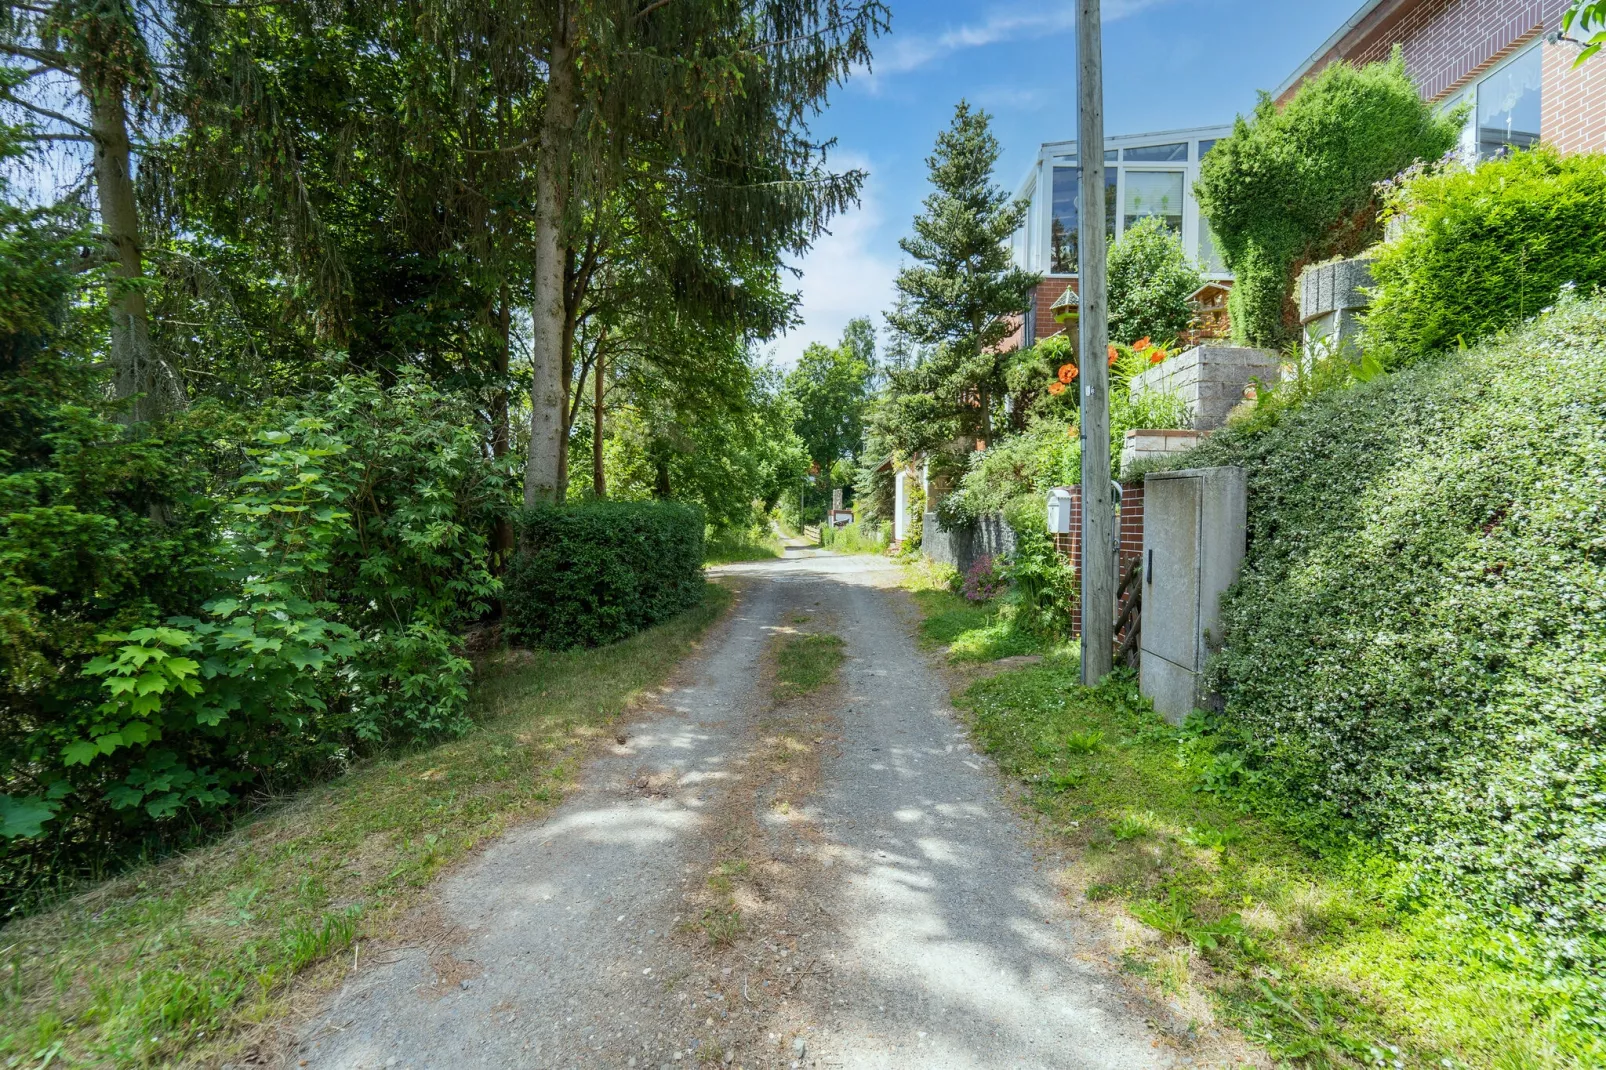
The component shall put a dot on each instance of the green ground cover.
(730, 547)
(178, 962)
(1316, 944)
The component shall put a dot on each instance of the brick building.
(1501, 57)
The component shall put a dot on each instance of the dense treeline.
(300, 303)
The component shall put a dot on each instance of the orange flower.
(1068, 372)
(1156, 356)
(1142, 343)
(1056, 388)
(1114, 354)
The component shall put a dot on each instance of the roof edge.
(1327, 46)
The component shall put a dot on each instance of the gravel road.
(893, 913)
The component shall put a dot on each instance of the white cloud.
(845, 275)
(905, 54)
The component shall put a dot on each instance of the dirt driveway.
(834, 881)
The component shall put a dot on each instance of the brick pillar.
(1131, 534)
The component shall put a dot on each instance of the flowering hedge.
(1418, 640)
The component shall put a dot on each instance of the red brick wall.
(1048, 291)
(1574, 115)
(1446, 42)
(1131, 533)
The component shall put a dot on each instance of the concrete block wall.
(989, 536)
(1150, 444)
(1210, 379)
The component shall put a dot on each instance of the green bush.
(1417, 644)
(1150, 280)
(598, 572)
(1295, 185)
(1485, 248)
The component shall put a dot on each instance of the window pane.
(1066, 219)
(1111, 155)
(1205, 147)
(1154, 193)
(1063, 238)
(1209, 251)
(1508, 106)
(1158, 153)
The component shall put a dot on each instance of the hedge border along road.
(597, 572)
(1417, 647)
(183, 961)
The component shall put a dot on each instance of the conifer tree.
(952, 302)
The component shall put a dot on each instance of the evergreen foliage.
(598, 572)
(952, 301)
(1483, 249)
(1150, 281)
(1417, 646)
(1294, 185)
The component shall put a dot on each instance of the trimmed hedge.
(598, 572)
(1417, 644)
(1484, 249)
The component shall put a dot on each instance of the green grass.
(805, 662)
(855, 539)
(175, 962)
(974, 631)
(729, 548)
(1316, 945)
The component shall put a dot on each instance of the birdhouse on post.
(1067, 307)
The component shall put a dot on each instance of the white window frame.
(1469, 94)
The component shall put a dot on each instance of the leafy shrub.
(1482, 249)
(1295, 184)
(1150, 280)
(195, 637)
(1418, 639)
(984, 581)
(598, 572)
(1046, 455)
(1043, 579)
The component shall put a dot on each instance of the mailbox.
(1059, 511)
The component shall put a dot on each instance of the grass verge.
(178, 962)
(1313, 943)
(974, 631)
(728, 548)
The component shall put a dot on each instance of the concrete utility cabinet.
(1194, 536)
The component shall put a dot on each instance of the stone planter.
(1210, 380)
(1331, 300)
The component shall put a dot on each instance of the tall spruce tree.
(954, 300)
(707, 93)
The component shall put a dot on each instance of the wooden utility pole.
(1098, 510)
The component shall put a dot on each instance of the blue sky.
(1167, 64)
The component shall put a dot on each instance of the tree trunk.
(543, 474)
(568, 412)
(137, 374)
(598, 481)
(501, 433)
